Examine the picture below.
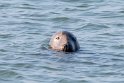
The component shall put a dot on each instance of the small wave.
(91, 27)
(5, 5)
(64, 80)
(60, 19)
(118, 47)
(6, 36)
(9, 74)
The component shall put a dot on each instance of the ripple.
(109, 73)
(58, 19)
(26, 27)
(72, 81)
(83, 6)
(82, 1)
(91, 26)
(27, 6)
(89, 63)
(5, 5)
(118, 47)
(32, 8)
(23, 65)
(6, 36)
(8, 74)
(117, 59)
(109, 34)
(119, 24)
(51, 68)
(3, 50)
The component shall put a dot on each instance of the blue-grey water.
(27, 25)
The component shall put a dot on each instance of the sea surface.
(26, 27)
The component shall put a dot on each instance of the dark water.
(27, 25)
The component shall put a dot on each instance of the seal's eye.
(57, 38)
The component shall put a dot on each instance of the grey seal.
(64, 41)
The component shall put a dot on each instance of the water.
(27, 25)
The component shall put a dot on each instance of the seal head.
(64, 41)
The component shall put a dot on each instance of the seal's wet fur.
(64, 41)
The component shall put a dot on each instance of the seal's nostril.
(57, 38)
